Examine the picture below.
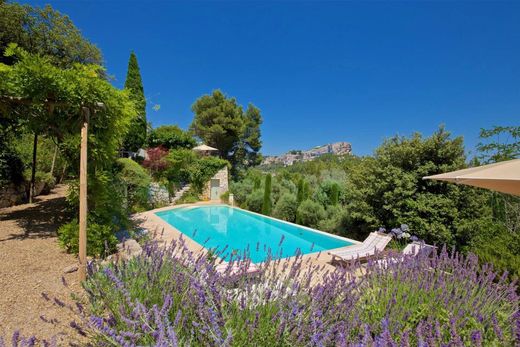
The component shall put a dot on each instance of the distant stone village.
(291, 157)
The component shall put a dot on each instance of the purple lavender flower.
(156, 299)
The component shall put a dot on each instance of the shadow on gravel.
(39, 220)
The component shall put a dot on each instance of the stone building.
(219, 183)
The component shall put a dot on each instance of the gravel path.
(32, 263)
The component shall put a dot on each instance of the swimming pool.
(218, 226)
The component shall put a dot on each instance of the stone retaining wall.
(12, 195)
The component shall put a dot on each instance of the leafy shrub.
(225, 197)
(203, 169)
(334, 220)
(327, 193)
(241, 190)
(172, 297)
(171, 137)
(310, 213)
(281, 186)
(156, 161)
(180, 162)
(137, 182)
(286, 207)
(498, 246)
(101, 239)
(255, 201)
(189, 197)
(106, 199)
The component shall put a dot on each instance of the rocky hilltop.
(289, 158)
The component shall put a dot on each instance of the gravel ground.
(32, 263)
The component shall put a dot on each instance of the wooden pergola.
(85, 113)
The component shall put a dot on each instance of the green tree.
(286, 207)
(388, 189)
(136, 136)
(268, 203)
(248, 151)
(310, 213)
(499, 143)
(48, 33)
(255, 201)
(334, 194)
(221, 123)
(44, 31)
(171, 137)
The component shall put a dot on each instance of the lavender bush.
(18, 340)
(169, 297)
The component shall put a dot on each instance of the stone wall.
(11, 195)
(158, 195)
(223, 176)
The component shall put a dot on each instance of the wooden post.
(54, 159)
(82, 270)
(33, 172)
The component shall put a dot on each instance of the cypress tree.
(267, 205)
(299, 196)
(136, 136)
(257, 183)
(306, 191)
(334, 194)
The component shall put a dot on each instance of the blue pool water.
(215, 226)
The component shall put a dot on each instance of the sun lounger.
(374, 243)
(414, 249)
(418, 248)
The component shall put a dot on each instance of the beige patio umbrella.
(204, 148)
(503, 176)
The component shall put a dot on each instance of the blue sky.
(320, 71)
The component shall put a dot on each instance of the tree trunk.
(33, 173)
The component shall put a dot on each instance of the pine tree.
(267, 205)
(136, 136)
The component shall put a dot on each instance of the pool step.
(179, 193)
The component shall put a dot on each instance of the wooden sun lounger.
(413, 249)
(418, 248)
(375, 242)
